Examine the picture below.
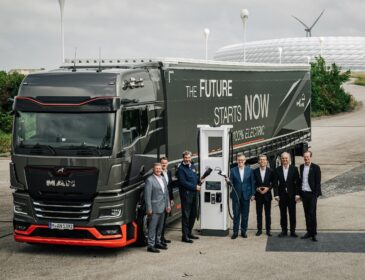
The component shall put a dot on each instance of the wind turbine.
(307, 29)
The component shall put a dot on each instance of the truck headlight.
(110, 213)
(20, 209)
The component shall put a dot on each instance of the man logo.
(61, 183)
(61, 170)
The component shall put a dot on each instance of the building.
(346, 52)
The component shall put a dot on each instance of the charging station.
(214, 154)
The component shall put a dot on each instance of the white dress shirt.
(242, 172)
(164, 172)
(162, 184)
(262, 172)
(305, 184)
(285, 170)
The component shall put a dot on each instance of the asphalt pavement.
(338, 147)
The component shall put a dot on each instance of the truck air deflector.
(96, 104)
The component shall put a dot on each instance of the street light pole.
(244, 16)
(280, 49)
(206, 35)
(62, 6)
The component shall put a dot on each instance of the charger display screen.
(213, 185)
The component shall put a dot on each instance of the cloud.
(30, 33)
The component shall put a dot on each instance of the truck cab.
(83, 142)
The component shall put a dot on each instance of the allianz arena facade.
(346, 52)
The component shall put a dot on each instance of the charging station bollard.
(214, 154)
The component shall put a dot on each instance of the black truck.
(86, 135)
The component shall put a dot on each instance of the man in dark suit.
(167, 175)
(188, 183)
(263, 183)
(310, 175)
(157, 203)
(243, 191)
(286, 191)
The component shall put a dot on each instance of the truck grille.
(62, 210)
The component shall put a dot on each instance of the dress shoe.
(187, 240)
(314, 239)
(293, 234)
(244, 234)
(258, 233)
(163, 243)
(268, 233)
(161, 246)
(305, 236)
(234, 236)
(153, 250)
(165, 240)
(283, 234)
(192, 236)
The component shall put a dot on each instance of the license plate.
(61, 226)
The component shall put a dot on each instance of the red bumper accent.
(109, 241)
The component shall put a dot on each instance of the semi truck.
(86, 135)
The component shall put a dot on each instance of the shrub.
(6, 122)
(328, 96)
(5, 143)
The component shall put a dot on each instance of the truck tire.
(142, 223)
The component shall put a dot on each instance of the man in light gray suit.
(157, 201)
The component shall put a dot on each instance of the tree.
(328, 96)
(9, 86)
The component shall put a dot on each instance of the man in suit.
(157, 203)
(167, 175)
(243, 191)
(188, 183)
(263, 183)
(310, 175)
(286, 191)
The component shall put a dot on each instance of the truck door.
(134, 141)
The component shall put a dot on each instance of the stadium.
(346, 52)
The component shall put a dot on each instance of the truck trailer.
(86, 135)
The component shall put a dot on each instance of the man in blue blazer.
(243, 191)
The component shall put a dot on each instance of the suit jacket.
(170, 185)
(244, 189)
(314, 178)
(268, 182)
(292, 184)
(156, 200)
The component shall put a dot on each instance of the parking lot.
(338, 147)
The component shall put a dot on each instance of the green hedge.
(328, 96)
(5, 142)
(6, 122)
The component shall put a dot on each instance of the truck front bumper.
(95, 238)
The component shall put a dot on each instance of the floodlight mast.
(244, 16)
(206, 35)
(308, 30)
(62, 6)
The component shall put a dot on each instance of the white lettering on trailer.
(248, 133)
(191, 92)
(215, 88)
(227, 114)
(256, 105)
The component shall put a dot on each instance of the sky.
(30, 30)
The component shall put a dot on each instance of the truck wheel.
(142, 223)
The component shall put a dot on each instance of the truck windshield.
(85, 134)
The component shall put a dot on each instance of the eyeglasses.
(241, 160)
